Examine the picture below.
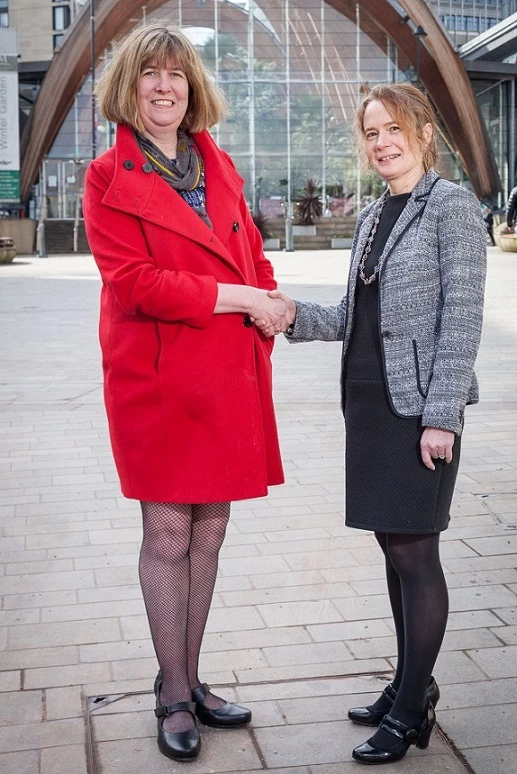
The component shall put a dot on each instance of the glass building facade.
(293, 72)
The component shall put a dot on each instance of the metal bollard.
(40, 233)
(289, 245)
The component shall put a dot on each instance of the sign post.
(9, 130)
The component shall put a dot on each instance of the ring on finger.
(441, 456)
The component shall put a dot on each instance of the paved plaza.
(300, 628)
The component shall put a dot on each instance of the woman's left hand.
(436, 443)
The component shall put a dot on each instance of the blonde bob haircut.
(410, 109)
(159, 45)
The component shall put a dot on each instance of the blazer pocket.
(417, 370)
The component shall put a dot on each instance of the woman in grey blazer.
(411, 325)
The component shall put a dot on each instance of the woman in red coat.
(187, 375)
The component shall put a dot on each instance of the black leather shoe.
(403, 738)
(180, 746)
(369, 716)
(228, 716)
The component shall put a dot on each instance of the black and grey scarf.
(185, 173)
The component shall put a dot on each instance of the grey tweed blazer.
(431, 291)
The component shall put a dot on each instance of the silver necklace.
(369, 242)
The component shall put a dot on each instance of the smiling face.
(389, 150)
(163, 92)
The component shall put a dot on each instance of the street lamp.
(92, 69)
(419, 34)
(92, 66)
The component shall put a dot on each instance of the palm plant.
(262, 223)
(309, 204)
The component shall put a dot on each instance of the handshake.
(272, 311)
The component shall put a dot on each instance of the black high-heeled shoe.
(369, 716)
(228, 716)
(404, 737)
(179, 746)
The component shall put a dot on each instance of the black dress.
(388, 487)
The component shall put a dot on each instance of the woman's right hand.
(271, 329)
(269, 314)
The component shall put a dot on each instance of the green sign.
(9, 185)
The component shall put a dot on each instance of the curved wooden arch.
(441, 72)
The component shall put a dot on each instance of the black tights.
(178, 569)
(420, 605)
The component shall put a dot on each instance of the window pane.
(61, 17)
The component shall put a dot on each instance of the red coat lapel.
(145, 195)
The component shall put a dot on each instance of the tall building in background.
(41, 25)
(464, 19)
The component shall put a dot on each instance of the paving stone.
(239, 640)
(486, 578)
(70, 633)
(19, 617)
(475, 727)
(299, 613)
(9, 681)
(454, 666)
(471, 619)
(349, 630)
(307, 671)
(253, 565)
(18, 601)
(35, 736)
(62, 676)
(25, 704)
(39, 657)
(132, 756)
(321, 560)
(377, 647)
(64, 760)
(413, 763)
(479, 694)
(496, 759)
(481, 597)
(496, 662)
(506, 634)
(288, 594)
(85, 611)
(272, 580)
(504, 544)
(26, 762)
(61, 703)
(360, 608)
(116, 651)
(53, 581)
(466, 639)
(355, 573)
(322, 652)
(481, 563)
(117, 576)
(315, 743)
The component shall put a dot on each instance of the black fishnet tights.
(420, 604)
(178, 568)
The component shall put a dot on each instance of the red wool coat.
(187, 393)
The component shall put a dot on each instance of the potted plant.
(7, 250)
(262, 223)
(341, 241)
(308, 208)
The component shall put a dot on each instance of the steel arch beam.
(441, 71)
(445, 79)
